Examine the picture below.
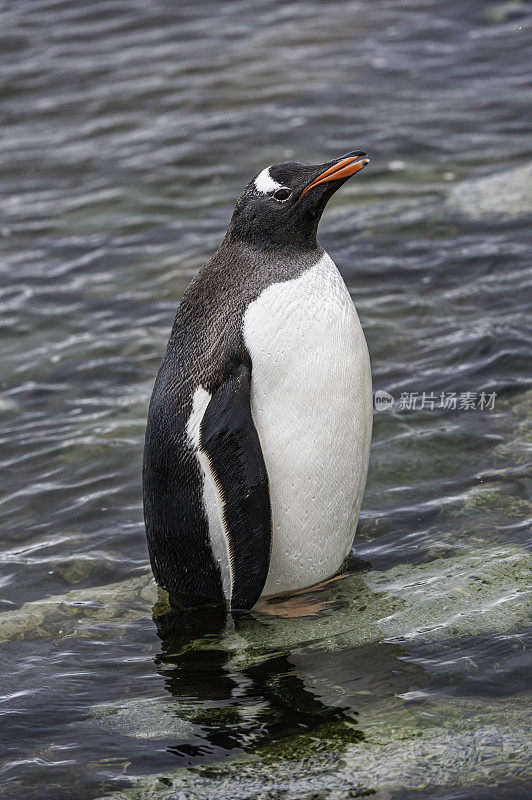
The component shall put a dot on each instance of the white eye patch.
(264, 183)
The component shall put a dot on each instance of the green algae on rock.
(460, 594)
(469, 744)
(426, 600)
(80, 611)
(518, 429)
(144, 719)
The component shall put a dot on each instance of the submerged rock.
(470, 744)
(458, 595)
(466, 592)
(325, 702)
(518, 430)
(80, 611)
(143, 719)
(506, 193)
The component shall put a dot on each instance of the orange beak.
(342, 169)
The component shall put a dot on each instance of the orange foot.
(301, 603)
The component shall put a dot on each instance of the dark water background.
(127, 131)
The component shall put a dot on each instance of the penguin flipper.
(229, 438)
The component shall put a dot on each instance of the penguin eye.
(282, 194)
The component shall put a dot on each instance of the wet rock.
(421, 601)
(506, 193)
(427, 601)
(470, 745)
(143, 719)
(518, 430)
(80, 611)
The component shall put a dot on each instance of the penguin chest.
(311, 402)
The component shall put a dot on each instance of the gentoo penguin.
(259, 427)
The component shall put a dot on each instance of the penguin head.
(282, 205)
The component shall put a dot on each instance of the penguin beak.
(340, 170)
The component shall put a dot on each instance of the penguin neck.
(243, 266)
(287, 258)
(279, 241)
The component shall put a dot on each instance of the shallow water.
(128, 130)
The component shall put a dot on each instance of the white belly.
(311, 401)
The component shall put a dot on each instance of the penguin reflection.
(237, 709)
(280, 694)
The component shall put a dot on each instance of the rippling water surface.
(128, 129)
